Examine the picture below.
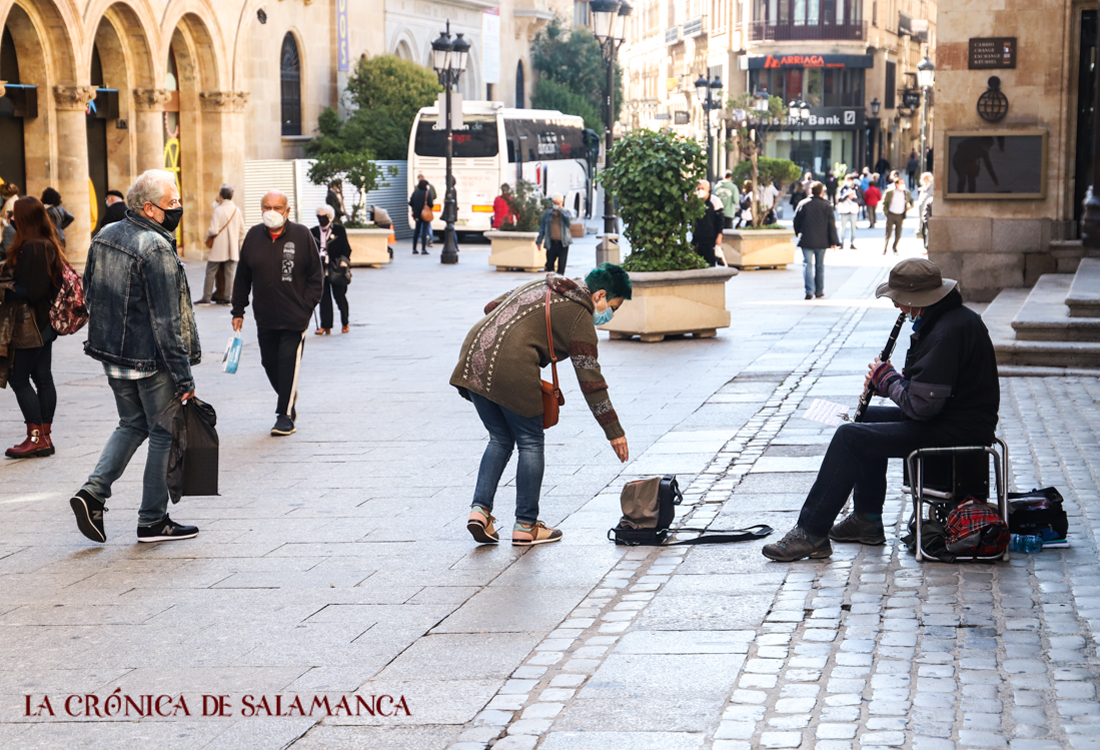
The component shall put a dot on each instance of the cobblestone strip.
(525, 707)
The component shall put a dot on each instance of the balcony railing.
(767, 31)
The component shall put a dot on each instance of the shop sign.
(994, 52)
(681, 118)
(769, 62)
(832, 118)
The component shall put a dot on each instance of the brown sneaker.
(538, 533)
(480, 526)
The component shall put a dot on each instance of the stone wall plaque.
(992, 52)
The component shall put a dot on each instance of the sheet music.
(826, 412)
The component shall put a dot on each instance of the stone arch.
(291, 54)
(403, 50)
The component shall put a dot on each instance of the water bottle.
(1025, 543)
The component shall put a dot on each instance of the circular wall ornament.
(993, 104)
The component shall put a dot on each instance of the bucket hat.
(916, 282)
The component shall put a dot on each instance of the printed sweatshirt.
(284, 276)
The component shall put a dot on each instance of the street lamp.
(709, 93)
(926, 76)
(799, 111)
(449, 60)
(609, 26)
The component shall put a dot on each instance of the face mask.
(701, 193)
(602, 318)
(172, 217)
(323, 220)
(273, 219)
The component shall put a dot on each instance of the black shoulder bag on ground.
(649, 507)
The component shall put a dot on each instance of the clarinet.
(887, 351)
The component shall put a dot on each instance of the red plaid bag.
(68, 314)
(975, 528)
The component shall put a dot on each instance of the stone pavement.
(335, 561)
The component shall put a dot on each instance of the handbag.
(552, 397)
(339, 271)
(69, 313)
(210, 239)
(232, 357)
(426, 213)
(25, 333)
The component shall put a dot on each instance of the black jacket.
(338, 246)
(34, 285)
(417, 201)
(284, 275)
(708, 228)
(950, 374)
(813, 220)
(115, 212)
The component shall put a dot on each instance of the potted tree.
(513, 244)
(758, 244)
(653, 177)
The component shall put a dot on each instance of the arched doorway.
(290, 76)
(403, 50)
(521, 86)
(13, 164)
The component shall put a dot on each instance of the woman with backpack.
(31, 277)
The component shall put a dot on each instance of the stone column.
(223, 118)
(149, 121)
(70, 104)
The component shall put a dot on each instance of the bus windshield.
(478, 140)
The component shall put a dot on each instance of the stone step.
(1083, 299)
(1045, 317)
(998, 317)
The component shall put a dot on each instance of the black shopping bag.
(193, 460)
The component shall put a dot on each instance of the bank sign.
(832, 118)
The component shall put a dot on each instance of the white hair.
(151, 187)
(557, 198)
(327, 211)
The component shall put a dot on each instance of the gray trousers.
(212, 273)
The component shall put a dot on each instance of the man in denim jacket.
(142, 328)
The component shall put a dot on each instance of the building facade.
(844, 58)
(93, 92)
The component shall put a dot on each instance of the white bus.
(499, 145)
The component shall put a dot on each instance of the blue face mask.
(602, 318)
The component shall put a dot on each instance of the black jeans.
(422, 232)
(34, 364)
(855, 463)
(328, 292)
(281, 356)
(559, 252)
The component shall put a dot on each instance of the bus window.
(478, 140)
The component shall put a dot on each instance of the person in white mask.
(280, 264)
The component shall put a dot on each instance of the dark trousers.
(893, 225)
(281, 356)
(340, 293)
(706, 249)
(560, 253)
(855, 463)
(34, 364)
(727, 222)
(872, 214)
(423, 232)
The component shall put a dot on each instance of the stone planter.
(674, 302)
(369, 247)
(759, 248)
(515, 251)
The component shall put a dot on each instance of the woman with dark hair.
(61, 218)
(417, 201)
(33, 270)
(499, 371)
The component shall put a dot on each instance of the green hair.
(610, 278)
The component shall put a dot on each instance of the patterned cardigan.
(503, 354)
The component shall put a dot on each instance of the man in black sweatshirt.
(280, 263)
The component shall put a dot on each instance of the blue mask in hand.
(602, 318)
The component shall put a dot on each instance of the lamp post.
(876, 105)
(799, 111)
(449, 60)
(609, 28)
(926, 76)
(709, 93)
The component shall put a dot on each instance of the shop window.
(580, 12)
(891, 86)
(291, 77)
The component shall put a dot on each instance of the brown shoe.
(345, 329)
(480, 526)
(322, 332)
(538, 533)
(31, 447)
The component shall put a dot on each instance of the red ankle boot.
(45, 430)
(32, 446)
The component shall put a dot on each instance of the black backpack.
(649, 507)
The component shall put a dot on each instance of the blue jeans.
(814, 281)
(848, 226)
(508, 429)
(138, 403)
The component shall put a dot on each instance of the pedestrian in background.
(895, 202)
(872, 196)
(924, 195)
(9, 194)
(224, 238)
(34, 266)
(726, 191)
(506, 393)
(116, 208)
(335, 199)
(142, 328)
(554, 234)
(332, 242)
(281, 268)
(502, 210)
(799, 192)
(814, 223)
(847, 208)
(61, 218)
(431, 202)
(882, 167)
(831, 186)
(911, 168)
(707, 235)
(417, 202)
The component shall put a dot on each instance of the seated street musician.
(946, 395)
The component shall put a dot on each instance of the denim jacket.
(139, 303)
(564, 219)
